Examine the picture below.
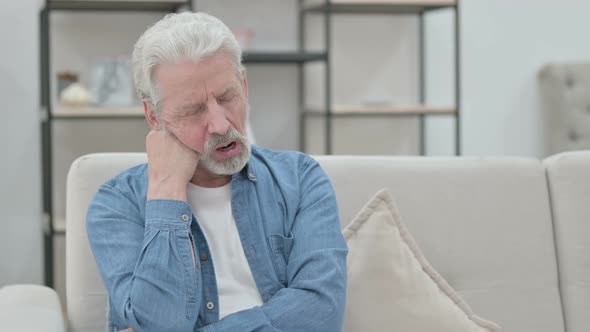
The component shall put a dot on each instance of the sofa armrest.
(30, 308)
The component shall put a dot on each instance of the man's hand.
(171, 166)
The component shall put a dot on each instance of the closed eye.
(226, 98)
(191, 110)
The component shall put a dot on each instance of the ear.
(150, 116)
(245, 82)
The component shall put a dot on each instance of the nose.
(217, 123)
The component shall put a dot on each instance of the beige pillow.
(391, 286)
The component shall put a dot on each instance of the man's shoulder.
(130, 178)
(126, 190)
(285, 158)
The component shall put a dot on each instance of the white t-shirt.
(235, 283)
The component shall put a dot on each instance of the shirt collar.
(248, 171)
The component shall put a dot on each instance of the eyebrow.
(200, 105)
(227, 91)
(192, 106)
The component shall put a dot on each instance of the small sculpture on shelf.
(75, 95)
(64, 79)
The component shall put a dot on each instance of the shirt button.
(184, 217)
(204, 256)
(210, 305)
(252, 177)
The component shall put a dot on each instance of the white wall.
(505, 43)
(20, 195)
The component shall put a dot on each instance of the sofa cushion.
(569, 183)
(86, 294)
(391, 284)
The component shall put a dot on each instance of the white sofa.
(30, 308)
(509, 234)
(565, 103)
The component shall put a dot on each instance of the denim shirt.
(286, 214)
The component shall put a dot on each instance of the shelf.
(379, 6)
(283, 57)
(107, 5)
(90, 112)
(360, 111)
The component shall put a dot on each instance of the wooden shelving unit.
(419, 8)
(378, 6)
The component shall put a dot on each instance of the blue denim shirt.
(287, 218)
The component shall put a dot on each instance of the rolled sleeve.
(167, 214)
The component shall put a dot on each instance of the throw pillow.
(391, 286)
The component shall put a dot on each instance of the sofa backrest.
(86, 296)
(483, 223)
(569, 182)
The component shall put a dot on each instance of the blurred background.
(433, 78)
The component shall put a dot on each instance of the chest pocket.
(281, 249)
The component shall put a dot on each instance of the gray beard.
(231, 165)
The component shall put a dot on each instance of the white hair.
(177, 37)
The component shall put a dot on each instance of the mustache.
(231, 135)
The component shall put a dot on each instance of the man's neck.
(204, 178)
